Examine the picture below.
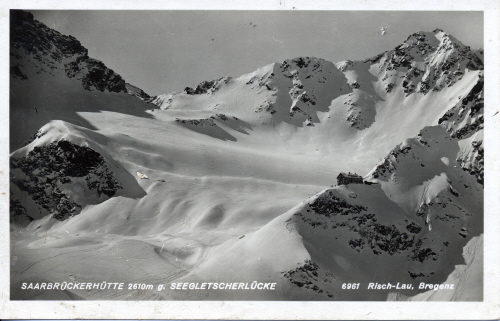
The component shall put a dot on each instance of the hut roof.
(352, 175)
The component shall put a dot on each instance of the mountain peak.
(436, 47)
(430, 60)
(304, 62)
(37, 49)
(35, 38)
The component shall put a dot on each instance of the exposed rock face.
(297, 89)
(474, 162)
(341, 221)
(207, 121)
(311, 78)
(331, 212)
(465, 283)
(440, 205)
(37, 135)
(425, 62)
(464, 122)
(37, 49)
(18, 213)
(311, 277)
(197, 122)
(432, 60)
(95, 76)
(292, 91)
(138, 92)
(210, 126)
(58, 176)
(207, 87)
(53, 77)
(361, 112)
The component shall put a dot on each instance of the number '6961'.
(350, 286)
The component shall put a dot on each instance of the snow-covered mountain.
(48, 71)
(233, 181)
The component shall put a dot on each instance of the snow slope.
(411, 227)
(233, 181)
(317, 108)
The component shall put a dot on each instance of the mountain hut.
(348, 178)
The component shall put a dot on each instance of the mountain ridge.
(55, 52)
(237, 174)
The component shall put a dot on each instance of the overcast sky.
(165, 51)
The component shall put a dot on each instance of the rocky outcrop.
(18, 213)
(138, 92)
(207, 87)
(474, 163)
(337, 213)
(361, 112)
(425, 61)
(36, 49)
(432, 61)
(95, 76)
(310, 276)
(309, 76)
(463, 122)
(211, 126)
(197, 122)
(58, 177)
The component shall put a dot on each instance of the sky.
(166, 51)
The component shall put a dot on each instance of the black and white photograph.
(248, 155)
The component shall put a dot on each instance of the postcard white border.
(489, 309)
